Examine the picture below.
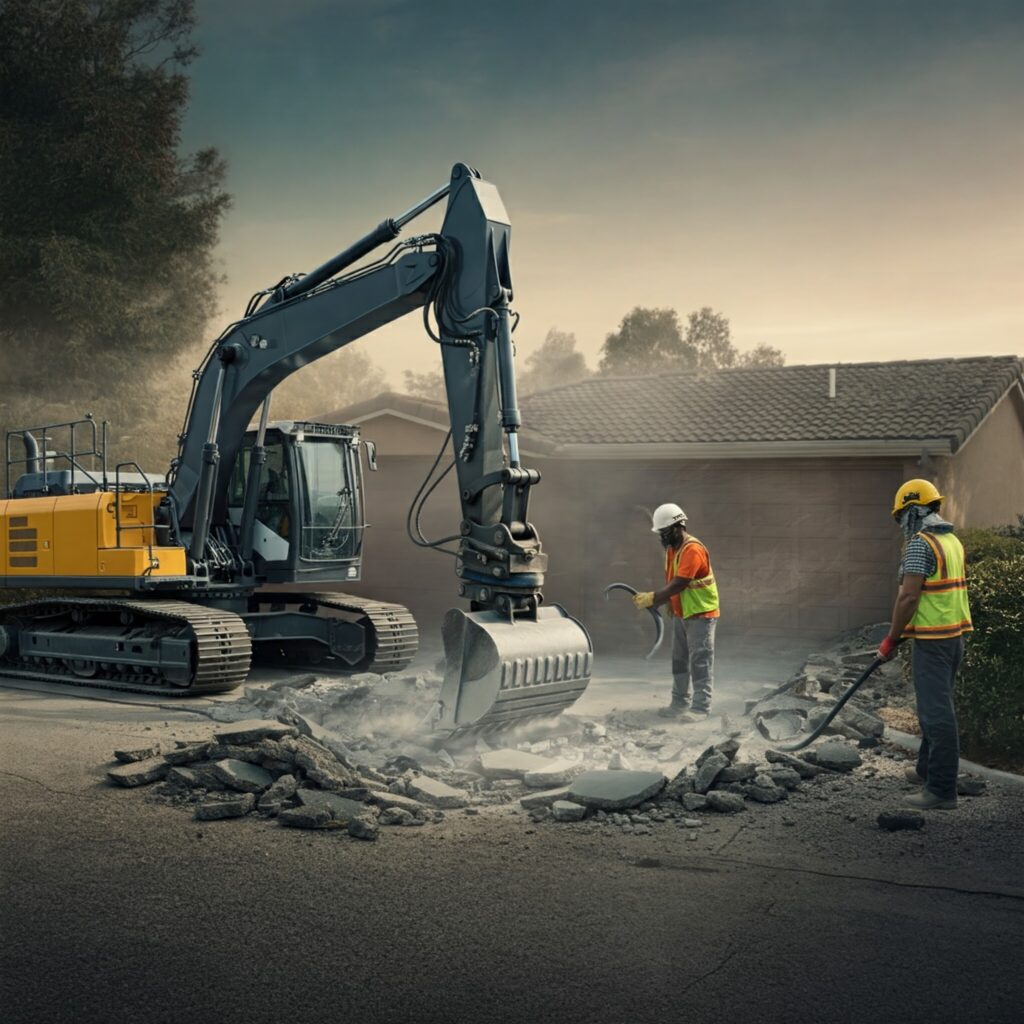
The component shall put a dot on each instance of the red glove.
(887, 648)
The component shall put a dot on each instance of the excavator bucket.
(500, 672)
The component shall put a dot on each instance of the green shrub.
(982, 544)
(990, 687)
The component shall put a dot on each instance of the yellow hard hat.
(915, 492)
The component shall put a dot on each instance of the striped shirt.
(918, 557)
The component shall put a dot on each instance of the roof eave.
(891, 448)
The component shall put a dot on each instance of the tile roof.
(890, 401)
(935, 400)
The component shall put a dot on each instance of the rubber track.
(222, 644)
(396, 632)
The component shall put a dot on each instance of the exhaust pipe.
(32, 462)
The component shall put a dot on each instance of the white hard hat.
(666, 516)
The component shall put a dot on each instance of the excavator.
(172, 569)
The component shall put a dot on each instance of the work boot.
(910, 774)
(674, 710)
(693, 716)
(926, 800)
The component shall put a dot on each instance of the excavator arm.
(509, 656)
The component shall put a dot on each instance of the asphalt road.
(116, 908)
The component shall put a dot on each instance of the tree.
(647, 341)
(425, 385)
(106, 232)
(328, 385)
(708, 333)
(555, 362)
(763, 355)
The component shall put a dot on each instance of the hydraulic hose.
(659, 622)
(823, 725)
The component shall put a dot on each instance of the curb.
(912, 743)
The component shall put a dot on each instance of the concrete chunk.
(188, 753)
(543, 799)
(615, 790)
(726, 803)
(253, 729)
(437, 793)
(129, 755)
(139, 773)
(235, 806)
(396, 800)
(242, 776)
(305, 817)
(565, 810)
(557, 773)
(694, 801)
(395, 816)
(834, 755)
(510, 764)
(320, 764)
(280, 792)
(179, 775)
(709, 771)
(736, 773)
(804, 769)
(360, 828)
(339, 808)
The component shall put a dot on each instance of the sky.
(842, 180)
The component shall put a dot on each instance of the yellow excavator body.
(99, 535)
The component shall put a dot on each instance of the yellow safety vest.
(943, 611)
(700, 596)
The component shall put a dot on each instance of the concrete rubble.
(354, 757)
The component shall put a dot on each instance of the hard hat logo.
(666, 516)
(915, 492)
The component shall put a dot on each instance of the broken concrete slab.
(234, 806)
(543, 799)
(804, 769)
(436, 793)
(510, 764)
(203, 770)
(250, 730)
(281, 791)
(339, 808)
(305, 817)
(556, 773)
(615, 790)
(725, 803)
(764, 790)
(896, 821)
(736, 773)
(834, 755)
(783, 776)
(566, 810)
(783, 725)
(709, 771)
(327, 738)
(395, 816)
(694, 801)
(361, 828)
(139, 773)
(727, 748)
(320, 764)
(242, 776)
(188, 753)
(186, 778)
(396, 800)
(130, 755)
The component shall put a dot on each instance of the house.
(787, 474)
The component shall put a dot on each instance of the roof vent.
(831, 382)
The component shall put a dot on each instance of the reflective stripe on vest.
(700, 596)
(943, 611)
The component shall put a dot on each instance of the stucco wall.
(984, 481)
(801, 548)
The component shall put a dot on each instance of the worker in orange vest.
(932, 610)
(692, 595)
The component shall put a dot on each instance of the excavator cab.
(309, 507)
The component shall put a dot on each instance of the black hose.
(659, 621)
(822, 726)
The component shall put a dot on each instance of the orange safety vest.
(701, 595)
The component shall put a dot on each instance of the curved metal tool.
(811, 737)
(658, 620)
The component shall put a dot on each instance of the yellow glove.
(644, 599)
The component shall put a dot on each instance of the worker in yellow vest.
(692, 595)
(932, 610)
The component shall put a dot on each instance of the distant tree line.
(647, 341)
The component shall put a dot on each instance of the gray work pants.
(935, 664)
(693, 662)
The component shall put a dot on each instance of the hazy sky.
(842, 180)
